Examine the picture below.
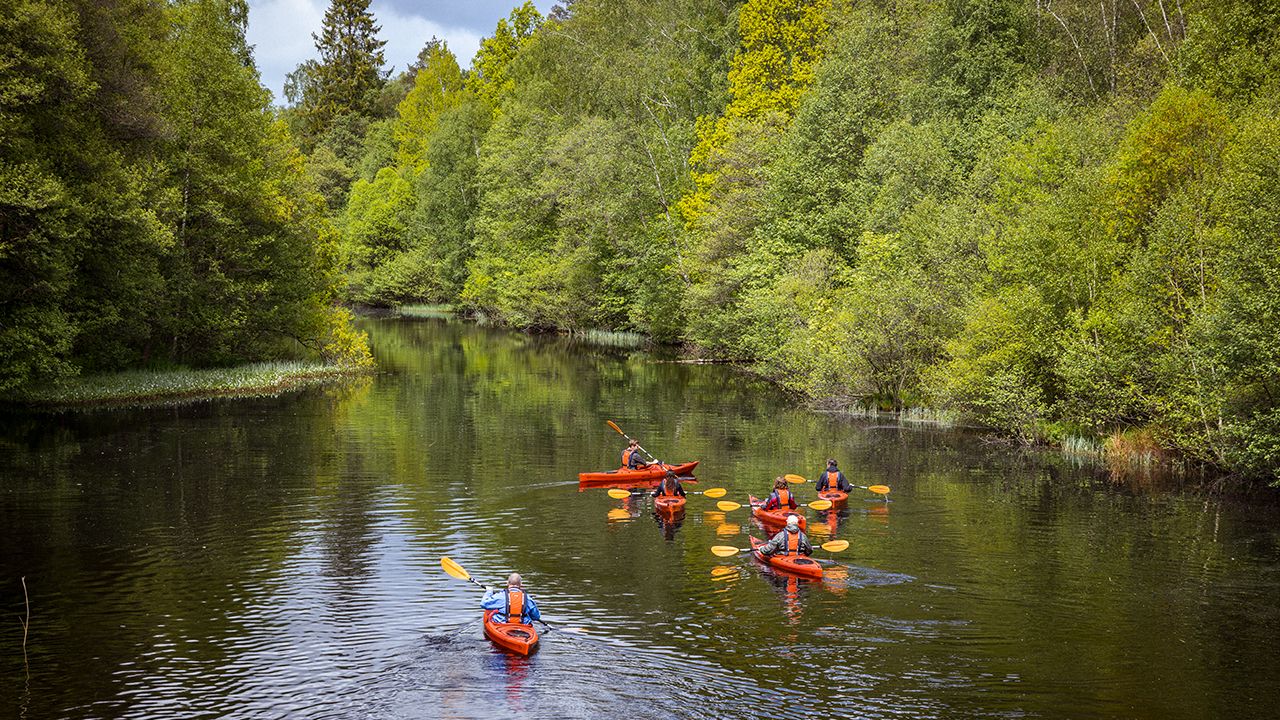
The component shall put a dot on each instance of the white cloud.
(280, 31)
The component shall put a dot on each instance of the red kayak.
(835, 496)
(669, 504)
(774, 518)
(794, 564)
(625, 475)
(516, 637)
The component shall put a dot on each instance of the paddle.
(620, 494)
(453, 569)
(730, 506)
(877, 489)
(730, 551)
(614, 425)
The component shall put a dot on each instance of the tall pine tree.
(349, 75)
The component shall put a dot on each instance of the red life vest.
(784, 499)
(515, 604)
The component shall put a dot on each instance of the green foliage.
(437, 88)
(488, 78)
(1044, 218)
(347, 79)
(152, 211)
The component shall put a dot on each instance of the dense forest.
(1059, 219)
(154, 209)
(1056, 218)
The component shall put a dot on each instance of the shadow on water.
(279, 557)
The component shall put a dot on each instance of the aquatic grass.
(140, 387)
(442, 312)
(609, 338)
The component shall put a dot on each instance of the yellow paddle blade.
(454, 569)
(614, 425)
(715, 492)
(728, 505)
(820, 504)
(881, 489)
(836, 545)
(723, 550)
(794, 478)
(619, 494)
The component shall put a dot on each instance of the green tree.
(437, 88)
(349, 74)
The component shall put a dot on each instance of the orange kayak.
(774, 518)
(670, 504)
(516, 637)
(794, 564)
(835, 496)
(625, 475)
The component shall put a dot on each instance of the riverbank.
(136, 388)
(1129, 454)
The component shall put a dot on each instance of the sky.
(280, 30)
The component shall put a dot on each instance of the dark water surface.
(280, 558)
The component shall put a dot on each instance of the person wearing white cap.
(790, 541)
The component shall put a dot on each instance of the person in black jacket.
(833, 479)
(670, 485)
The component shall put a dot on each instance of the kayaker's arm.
(774, 544)
(805, 547)
(533, 612)
(493, 600)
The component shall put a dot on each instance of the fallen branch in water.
(26, 624)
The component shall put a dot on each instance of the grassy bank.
(148, 387)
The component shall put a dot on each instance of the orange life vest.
(515, 604)
(793, 543)
(784, 499)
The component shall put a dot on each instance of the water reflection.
(279, 557)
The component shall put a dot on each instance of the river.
(280, 557)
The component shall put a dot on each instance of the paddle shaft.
(630, 439)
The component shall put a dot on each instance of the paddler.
(781, 496)
(670, 485)
(833, 479)
(631, 457)
(511, 601)
(789, 541)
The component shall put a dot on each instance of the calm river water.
(280, 558)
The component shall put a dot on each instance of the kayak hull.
(669, 504)
(775, 518)
(835, 496)
(514, 637)
(625, 475)
(798, 565)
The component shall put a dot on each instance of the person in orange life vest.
(833, 479)
(790, 541)
(511, 601)
(631, 457)
(670, 485)
(781, 497)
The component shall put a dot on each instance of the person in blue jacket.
(833, 479)
(511, 601)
